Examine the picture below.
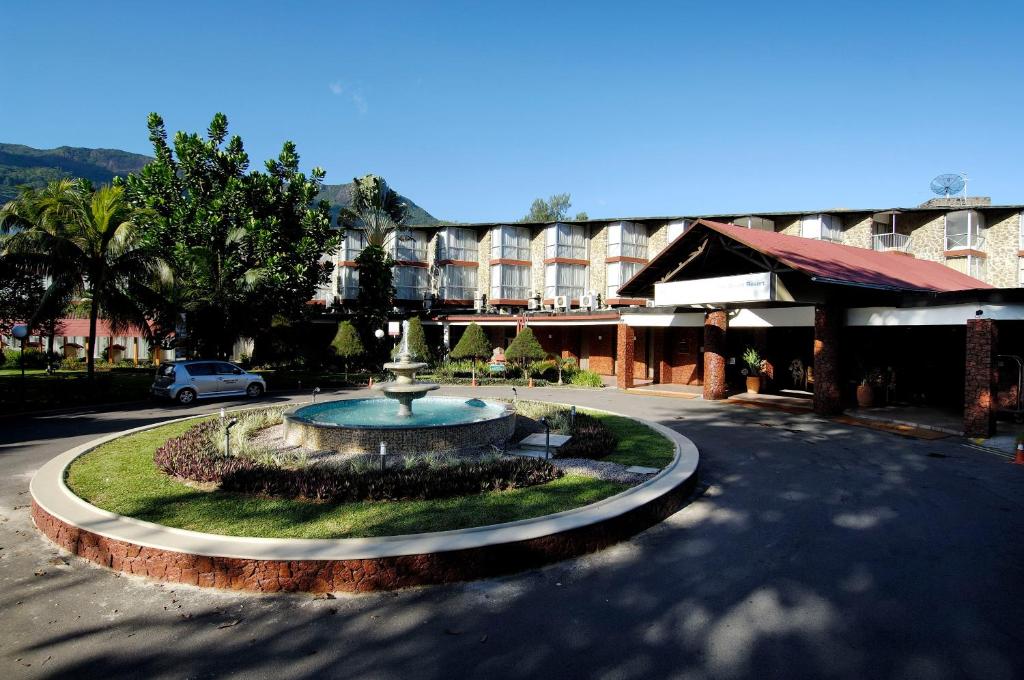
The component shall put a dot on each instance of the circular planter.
(865, 396)
(356, 564)
(753, 384)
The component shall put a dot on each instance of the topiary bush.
(344, 483)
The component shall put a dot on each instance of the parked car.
(186, 381)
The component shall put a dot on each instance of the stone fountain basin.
(309, 426)
(405, 388)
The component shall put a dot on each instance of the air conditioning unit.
(533, 303)
(649, 303)
(562, 302)
(478, 301)
(587, 301)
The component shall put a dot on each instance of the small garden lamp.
(547, 437)
(383, 454)
(227, 436)
(316, 391)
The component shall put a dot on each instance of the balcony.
(891, 241)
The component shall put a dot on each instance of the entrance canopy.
(721, 260)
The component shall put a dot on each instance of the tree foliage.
(524, 348)
(555, 209)
(89, 245)
(246, 245)
(346, 343)
(473, 344)
(379, 213)
(417, 341)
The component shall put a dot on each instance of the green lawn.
(69, 388)
(120, 477)
(637, 443)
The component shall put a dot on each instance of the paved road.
(816, 550)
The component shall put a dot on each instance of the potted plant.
(871, 379)
(753, 360)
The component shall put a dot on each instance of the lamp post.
(21, 333)
(316, 391)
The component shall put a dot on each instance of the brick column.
(979, 379)
(624, 357)
(827, 401)
(716, 324)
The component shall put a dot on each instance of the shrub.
(590, 439)
(351, 482)
(71, 363)
(193, 456)
(34, 358)
(586, 379)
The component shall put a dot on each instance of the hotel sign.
(719, 290)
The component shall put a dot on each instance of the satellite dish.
(947, 185)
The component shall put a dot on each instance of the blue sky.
(474, 109)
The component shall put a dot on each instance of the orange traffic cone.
(1019, 458)
(529, 382)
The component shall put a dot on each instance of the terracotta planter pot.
(865, 396)
(753, 384)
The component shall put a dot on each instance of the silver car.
(186, 381)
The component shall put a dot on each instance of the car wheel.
(186, 397)
(254, 390)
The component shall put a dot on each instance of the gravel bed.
(608, 471)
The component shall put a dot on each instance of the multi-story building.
(589, 290)
(501, 267)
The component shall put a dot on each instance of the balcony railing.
(890, 241)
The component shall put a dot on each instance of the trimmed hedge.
(341, 484)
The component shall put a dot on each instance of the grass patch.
(637, 443)
(120, 476)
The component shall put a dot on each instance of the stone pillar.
(827, 401)
(716, 324)
(624, 357)
(980, 378)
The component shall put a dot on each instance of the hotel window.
(510, 243)
(410, 246)
(627, 239)
(565, 279)
(618, 274)
(823, 227)
(410, 282)
(566, 240)
(458, 283)
(355, 241)
(510, 282)
(754, 222)
(972, 265)
(457, 244)
(348, 283)
(963, 230)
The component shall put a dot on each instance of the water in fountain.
(404, 388)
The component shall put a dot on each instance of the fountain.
(439, 424)
(404, 388)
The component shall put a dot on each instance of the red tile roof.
(830, 262)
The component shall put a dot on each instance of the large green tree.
(246, 244)
(378, 212)
(554, 209)
(524, 349)
(89, 245)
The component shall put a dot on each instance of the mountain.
(21, 164)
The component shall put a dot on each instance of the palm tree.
(378, 212)
(87, 244)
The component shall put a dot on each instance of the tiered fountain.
(439, 424)
(404, 388)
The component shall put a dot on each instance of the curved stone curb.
(353, 564)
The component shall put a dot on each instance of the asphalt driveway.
(814, 550)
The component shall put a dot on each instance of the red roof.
(838, 263)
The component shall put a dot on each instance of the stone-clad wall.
(537, 245)
(446, 438)
(597, 272)
(857, 230)
(357, 575)
(1002, 245)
